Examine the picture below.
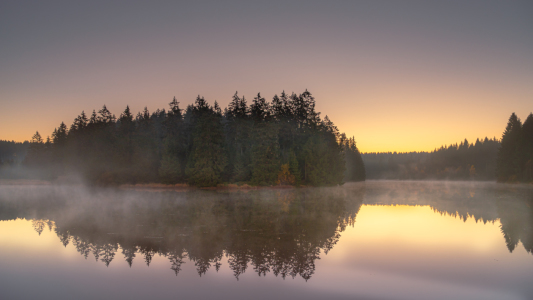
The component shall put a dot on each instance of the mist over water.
(422, 240)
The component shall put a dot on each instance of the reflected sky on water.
(373, 240)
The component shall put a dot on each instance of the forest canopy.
(281, 142)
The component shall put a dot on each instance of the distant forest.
(507, 160)
(282, 142)
(462, 161)
(12, 153)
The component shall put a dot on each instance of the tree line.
(507, 160)
(461, 161)
(12, 153)
(284, 141)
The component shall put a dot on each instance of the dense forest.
(462, 161)
(282, 142)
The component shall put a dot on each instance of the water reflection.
(282, 232)
(512, 205)
(271, 231)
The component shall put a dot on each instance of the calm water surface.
(373, 240)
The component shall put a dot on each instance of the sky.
(396, 75)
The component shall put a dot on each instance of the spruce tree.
(34, 158)
(173, 156)
(265, 143)
(509, 155)
(355, 169)
(527, 138)
(207, 159)
(146, 157)
(238, 144)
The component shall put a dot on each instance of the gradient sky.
(397, 75)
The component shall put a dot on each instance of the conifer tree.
(207, 159)
(238, 143)
(146, 157)
(34, 157)
(124, 143)
(36, 139)
(355, 169)
(106, 116)
(59, 149)
(265, 146)
(509, 155)
(527, 137)
(173, 157)
(260, 109)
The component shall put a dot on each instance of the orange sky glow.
(400, 78)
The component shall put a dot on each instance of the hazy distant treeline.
(457, 161)
(280, 142)
(12, 153)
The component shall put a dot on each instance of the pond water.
(372, 240)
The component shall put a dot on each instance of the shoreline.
(147, 186)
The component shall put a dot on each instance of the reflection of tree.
(64, 237)
(461, 200)
(281, 232)
(129, 254)
(83, 247)
(516, 219)
(96, 249)
(176, 260)
(278, 231)
(38, 225)
(108, 253)
(485, 202)
(238, 262)
(148, 254)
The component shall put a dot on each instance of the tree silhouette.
(510, 154)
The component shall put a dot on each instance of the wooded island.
(282, 142)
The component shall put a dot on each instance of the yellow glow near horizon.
(395, 129)
(417, 229)
(19, 232)
(398, 77)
